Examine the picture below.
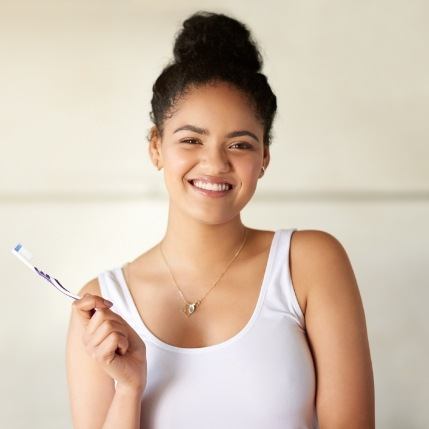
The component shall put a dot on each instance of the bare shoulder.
(321, 268)
(311, 250)
(314, 242)
(336, 329)
(320, 264)
(92, 287)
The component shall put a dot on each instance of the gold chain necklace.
(191, 307)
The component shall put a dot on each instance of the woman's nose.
(216, 159)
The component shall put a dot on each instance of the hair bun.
(217, 39)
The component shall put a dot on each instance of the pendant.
(190, 309)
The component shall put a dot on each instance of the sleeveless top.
(264, 376)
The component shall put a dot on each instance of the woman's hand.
(110, 341)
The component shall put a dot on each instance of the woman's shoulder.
(316, 246)
(309, 237)
(92, 287)
(306, 242)
(320, 265)
(315, 255)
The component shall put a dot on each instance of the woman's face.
(199, 142)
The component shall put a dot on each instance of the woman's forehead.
(211, 106)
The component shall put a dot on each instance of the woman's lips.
(208, 192)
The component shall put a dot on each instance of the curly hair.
(210, 48)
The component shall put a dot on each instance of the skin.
(205, 228)
(209, 230)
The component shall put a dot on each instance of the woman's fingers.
(103, 330)
(105, 333)
(100, 316)
(111, 341)
(86, 305)
(105, 352)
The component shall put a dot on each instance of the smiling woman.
(219, 324)
(223, 145)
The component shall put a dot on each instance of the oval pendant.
(190, 309)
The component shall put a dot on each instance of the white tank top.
(262, 377)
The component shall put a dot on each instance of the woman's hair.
(210, 48)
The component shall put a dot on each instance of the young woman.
(220, 325)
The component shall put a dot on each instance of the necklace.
(191, 307)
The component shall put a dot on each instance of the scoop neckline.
(192, 350)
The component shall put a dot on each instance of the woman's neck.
(187, 241)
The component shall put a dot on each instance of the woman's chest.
(271, 365)
(223, 311)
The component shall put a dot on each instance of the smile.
(210, 190)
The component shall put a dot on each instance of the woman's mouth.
(210, 190)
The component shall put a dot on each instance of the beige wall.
(350, 156)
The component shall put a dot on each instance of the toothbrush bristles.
(19, 248)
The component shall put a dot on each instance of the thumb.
(87, 305)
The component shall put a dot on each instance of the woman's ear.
(266, 156)
(155, 147)
(266, 159)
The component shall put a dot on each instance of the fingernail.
(108, 303)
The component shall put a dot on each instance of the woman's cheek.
(250, 173)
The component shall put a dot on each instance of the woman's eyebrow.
(199, 130)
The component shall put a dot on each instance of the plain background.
(350, 156)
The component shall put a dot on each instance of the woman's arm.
(125, 410)
(94, 402)
(336, 328)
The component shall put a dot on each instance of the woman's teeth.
(211, 186)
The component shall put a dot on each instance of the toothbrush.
(25, 256)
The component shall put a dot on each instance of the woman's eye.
(189, 140)
(193, 141)
(243, 145)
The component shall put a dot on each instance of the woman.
(220, 325)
